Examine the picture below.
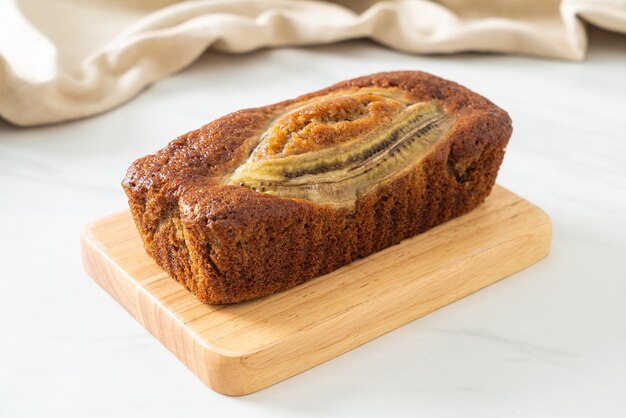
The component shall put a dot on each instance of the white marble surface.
(547, 342)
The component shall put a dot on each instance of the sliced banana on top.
(333, 149)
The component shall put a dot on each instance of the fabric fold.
(58, 64)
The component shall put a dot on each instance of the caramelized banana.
(334, 149)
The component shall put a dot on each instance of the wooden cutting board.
(239, 349)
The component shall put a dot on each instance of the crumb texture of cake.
(263, 199)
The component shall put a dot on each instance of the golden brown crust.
(229, 244)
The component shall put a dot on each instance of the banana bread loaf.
(263, 199)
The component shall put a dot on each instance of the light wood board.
(239, 349)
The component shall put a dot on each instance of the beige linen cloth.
(67, 59)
